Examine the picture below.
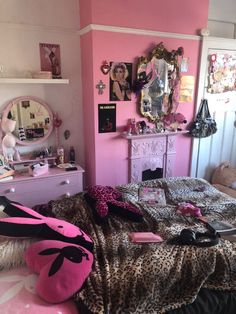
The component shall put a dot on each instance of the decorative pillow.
(28, 223)
(107, 199)
(62, 268)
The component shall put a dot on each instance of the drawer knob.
(67, 181)
(68, 194)
(12, 190)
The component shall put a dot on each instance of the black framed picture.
(120, 81)
(106, 118)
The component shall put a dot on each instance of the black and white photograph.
(120, 81)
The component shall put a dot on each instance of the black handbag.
(204, 125)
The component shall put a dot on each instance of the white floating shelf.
(33, 81)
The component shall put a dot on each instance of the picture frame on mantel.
(50, 59)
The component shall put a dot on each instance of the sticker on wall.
(120, 81)
(50, 59)
(106, 118)
(186, 88)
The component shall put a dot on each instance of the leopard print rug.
(153, 278)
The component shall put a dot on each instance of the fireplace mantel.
(151, 151)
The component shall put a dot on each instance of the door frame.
(208, 43)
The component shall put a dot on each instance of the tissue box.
(38, 169)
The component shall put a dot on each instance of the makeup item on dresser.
(60, 155)
(72, 155)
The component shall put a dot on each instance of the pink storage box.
(38, 169)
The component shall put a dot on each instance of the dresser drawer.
(39, 190)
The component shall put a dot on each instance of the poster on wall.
(50, 59)
(186, 88)
(106, 118)
(120, 81)
(222, 73)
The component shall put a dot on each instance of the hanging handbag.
(204, 125)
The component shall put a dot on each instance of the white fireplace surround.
(151, 151)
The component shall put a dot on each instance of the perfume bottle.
(60, 155)
(72, 155)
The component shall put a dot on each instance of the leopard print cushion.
(107, 199)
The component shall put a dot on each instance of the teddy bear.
(106, 199)
(224, 178)
(173, 121)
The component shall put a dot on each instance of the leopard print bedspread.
(153, 278)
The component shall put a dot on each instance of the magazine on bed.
(152, 195)
(220, 226)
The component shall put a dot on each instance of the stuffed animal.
(105, 198)
(224, 178)
(63, 260)
(173, 121)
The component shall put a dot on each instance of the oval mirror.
(158, 81)
(34, 119)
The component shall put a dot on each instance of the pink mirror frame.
(41, 102)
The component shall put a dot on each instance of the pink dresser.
(30, 191)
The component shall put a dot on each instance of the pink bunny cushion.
(28, 223)
(105, 198)
(62, 268)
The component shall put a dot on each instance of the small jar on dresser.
(56, 184)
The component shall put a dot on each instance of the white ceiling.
(222, 10)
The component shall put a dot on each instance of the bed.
(157, 277)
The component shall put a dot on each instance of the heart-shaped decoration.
(105, 68)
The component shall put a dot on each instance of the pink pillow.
(62, 268)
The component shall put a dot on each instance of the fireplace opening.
(151, 175)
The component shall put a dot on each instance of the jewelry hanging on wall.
(100, 86)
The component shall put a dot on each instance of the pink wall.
(177, 16)
(106, 154)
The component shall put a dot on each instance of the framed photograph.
(106, 118)
(120, 81)
(50, 59)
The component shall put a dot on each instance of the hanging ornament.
(100, 86)
(105, 67)
(57, 123)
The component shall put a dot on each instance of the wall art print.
(222, 73)
(50, 59)
(106, 118)
(120, 81)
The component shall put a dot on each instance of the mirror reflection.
(158, 80)
(34, 120)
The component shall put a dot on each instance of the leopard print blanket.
(153, 278)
